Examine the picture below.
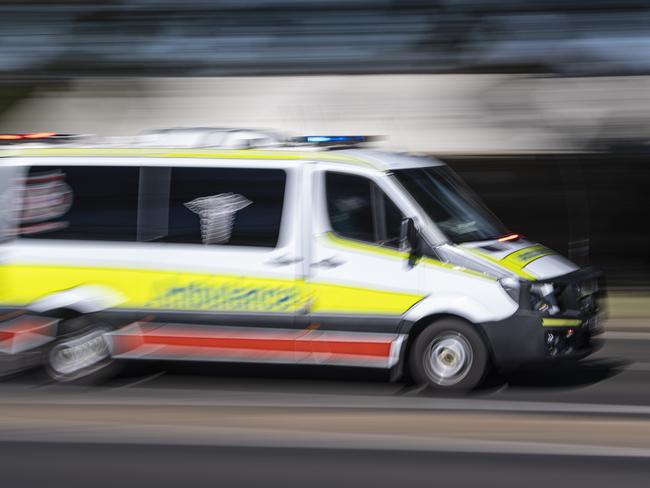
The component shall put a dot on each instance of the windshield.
(449, 203)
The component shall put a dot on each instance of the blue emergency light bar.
(333, 140)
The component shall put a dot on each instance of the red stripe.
(6, 335)
(357, 348)
(360, 348)
(25, 324)
(221, 342)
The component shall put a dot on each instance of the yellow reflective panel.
(331, 298)
(548, 322)
(512, 265)
(524, 257)
(168, 290)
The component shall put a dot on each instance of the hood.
(522, 257)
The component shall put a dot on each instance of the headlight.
(542, 299)
(511, 287)
(586, 288)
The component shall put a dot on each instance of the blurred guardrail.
(263, 37)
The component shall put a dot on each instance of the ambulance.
(310, 251)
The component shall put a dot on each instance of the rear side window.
(358, 209)
(214, 206)
(79, 202)
(9, 192)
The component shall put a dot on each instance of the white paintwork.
(476, 301)
(83, 299)
(387, 161)
(499, 250)
(550, 266)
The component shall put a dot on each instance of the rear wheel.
(448, 355)
(81, 353)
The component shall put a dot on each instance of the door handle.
(283, 260)
(331, 262)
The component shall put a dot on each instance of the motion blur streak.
(199, 134)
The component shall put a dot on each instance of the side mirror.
(410, 241)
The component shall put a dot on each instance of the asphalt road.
(108, 465)
(160, 424)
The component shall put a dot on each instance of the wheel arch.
(73, 302)
(414, 329)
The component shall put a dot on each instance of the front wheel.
(448, 355)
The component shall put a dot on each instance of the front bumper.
(523, 338)
(528, 336)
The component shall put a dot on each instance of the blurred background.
(542, 107)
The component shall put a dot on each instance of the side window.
(79, 202)
(393, 220)
(239, 207)
(9, 175)
(358, 209)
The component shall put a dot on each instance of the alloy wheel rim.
(448, 359)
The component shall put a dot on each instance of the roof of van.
(379, 160)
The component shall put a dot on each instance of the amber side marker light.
(34, 135)
(510, 237)
(39, 135)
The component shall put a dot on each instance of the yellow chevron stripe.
(510, 265)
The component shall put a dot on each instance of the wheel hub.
(448, 359)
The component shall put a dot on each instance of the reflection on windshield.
(450, 204)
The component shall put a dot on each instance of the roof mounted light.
(334, 140)
(40, 135)
(30, 136)
(49, 137)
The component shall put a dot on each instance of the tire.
(80, 354)
(448, 355)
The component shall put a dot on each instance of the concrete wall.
(437, 113)
(421, 113)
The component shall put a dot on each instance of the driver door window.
(358, 209)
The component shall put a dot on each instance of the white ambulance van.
(299, 254)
